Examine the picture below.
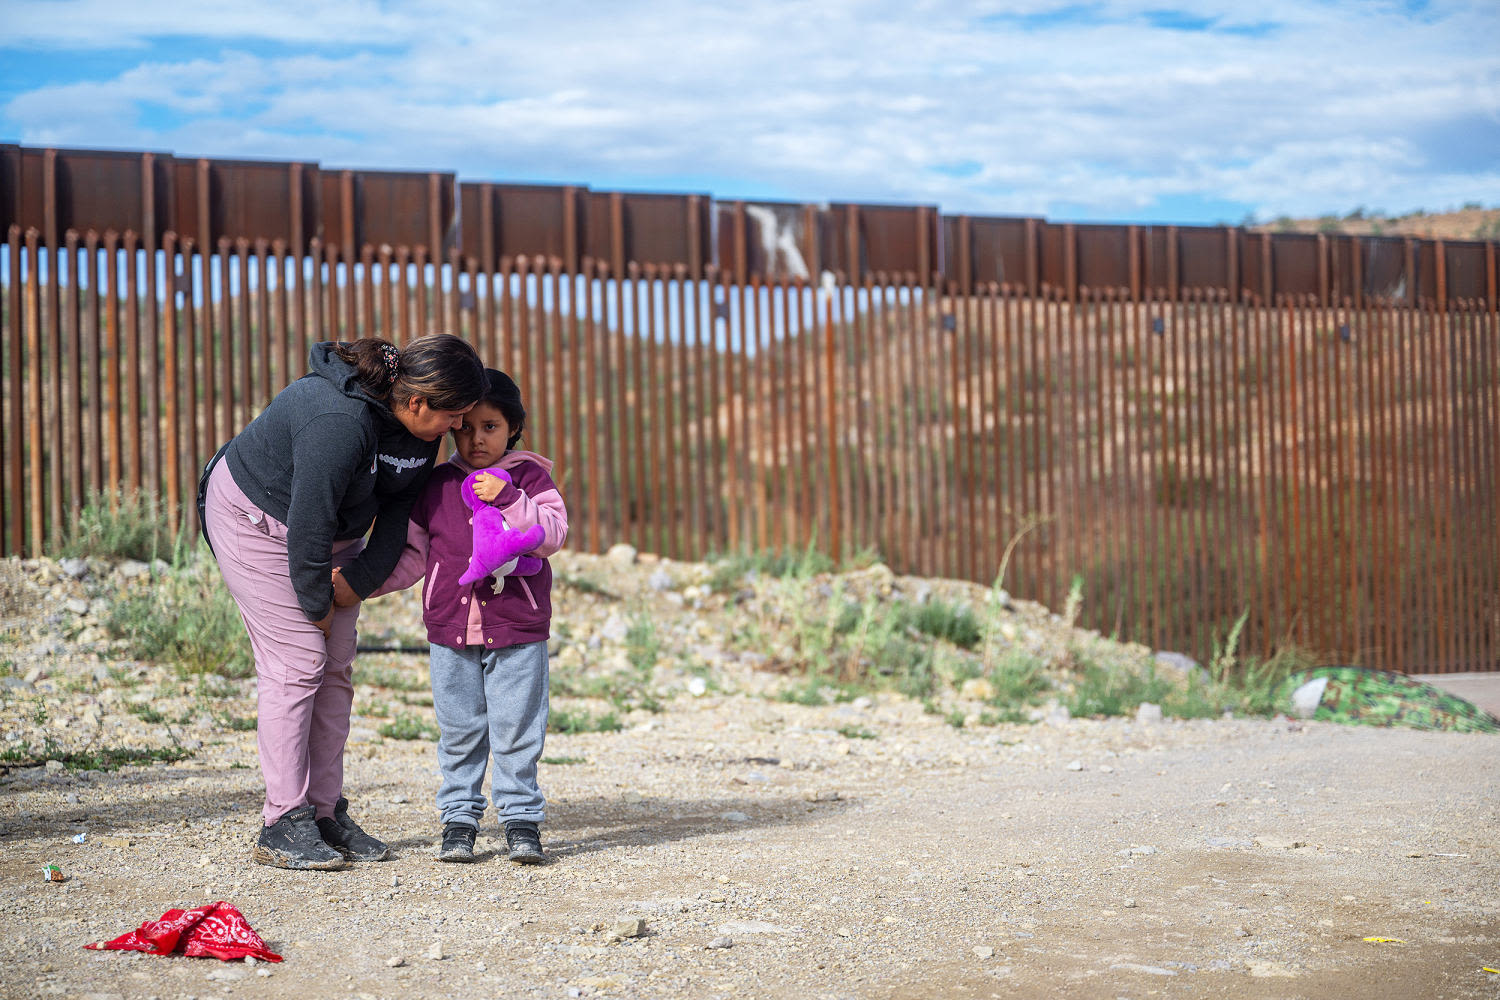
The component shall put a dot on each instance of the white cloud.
(1297, 107)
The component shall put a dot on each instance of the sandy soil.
(1235, 859)
(769, 855)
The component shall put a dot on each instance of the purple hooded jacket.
(439, 541)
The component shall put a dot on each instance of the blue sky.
(1095, 111)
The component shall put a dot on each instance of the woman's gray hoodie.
(327, 459)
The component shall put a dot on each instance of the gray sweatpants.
(490, 701)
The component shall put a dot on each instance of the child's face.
(481, 438)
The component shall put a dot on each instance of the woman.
(344, 447)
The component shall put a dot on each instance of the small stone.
(1150, 970)
(984, 952)
(1307, 698)
(1129, 903)
(697, 686)
(628, 927)
(1076, 765)
(977, 689)
(398, 800)
(1106, 769)
(77, 605)
(76, 568)
(435, 951)
(1177, 663)
(131, 568)
(843, 932)
(621, 554)
(396, 961)
(614, 629)
(55, 767)
(1131, 852)
(108, 841)
(633, 798)
(734, 817)
(822, 795)
(719, 942)
(1148, 714)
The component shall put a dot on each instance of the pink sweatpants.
(303, 681)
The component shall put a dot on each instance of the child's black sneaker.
(458, 843)
(293, 841)
(344, 835)
(525, 842)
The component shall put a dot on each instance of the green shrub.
(93, 759)
(188, 619)
(1020, 680)
(1101, 690)
(642, 646)
(941, 619)
(856, 733)
(409, 727)
(563, 721)
(729, 571)
(393, 678)
(124, 524)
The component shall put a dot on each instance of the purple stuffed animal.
(498, 548)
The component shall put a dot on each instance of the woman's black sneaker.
(293, 841)
(525, 842)
(344, 835)
(458, 843)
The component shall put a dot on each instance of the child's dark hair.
(503, 394)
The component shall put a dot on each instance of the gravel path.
(765, 854)
(1225, 858)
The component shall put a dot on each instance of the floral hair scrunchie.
(392, 359)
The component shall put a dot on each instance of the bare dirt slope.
(863, 849)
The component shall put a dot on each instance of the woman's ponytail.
(376, 363)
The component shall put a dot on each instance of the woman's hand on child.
(343, 594)
(325, 623)
(488, 487)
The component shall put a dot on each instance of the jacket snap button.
(463, 600)
(489, 640)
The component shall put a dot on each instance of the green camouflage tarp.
(1383, 698)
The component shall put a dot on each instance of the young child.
(488, 638)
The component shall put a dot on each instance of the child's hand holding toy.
(487, 486)
(499, 549)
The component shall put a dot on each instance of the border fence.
(1195, 423)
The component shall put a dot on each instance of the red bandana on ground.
(217, 930)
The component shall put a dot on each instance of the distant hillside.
(1471, 222)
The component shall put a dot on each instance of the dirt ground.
(1087, 859)
(862, 849)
